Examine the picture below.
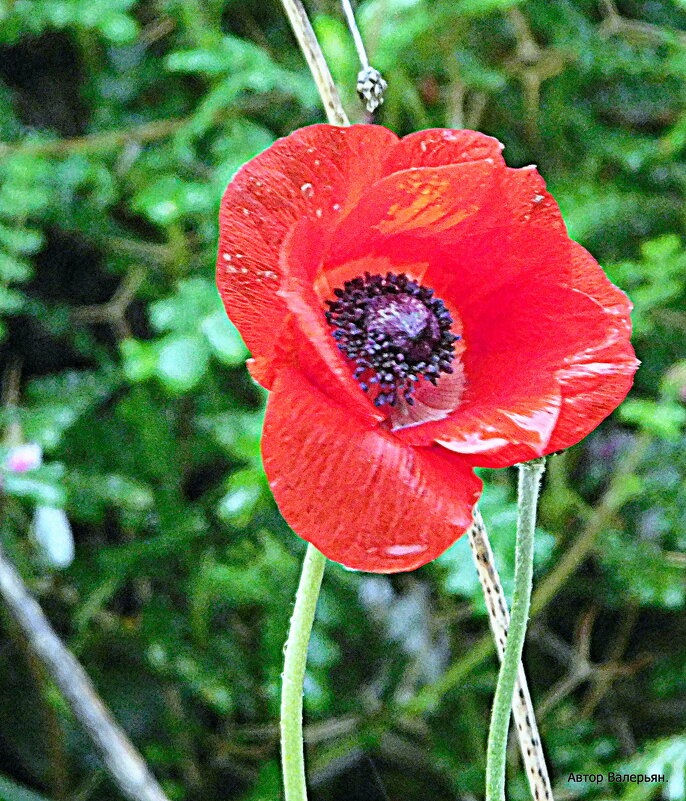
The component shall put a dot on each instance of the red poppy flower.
(416, 309)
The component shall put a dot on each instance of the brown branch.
(321, 74)
(113, 312)
(522, 706)
(93, 143)
(581, 669)
(612, 500)
(121, 758)
(615, 24)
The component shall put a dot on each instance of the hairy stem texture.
(530, 475)
(292, 751)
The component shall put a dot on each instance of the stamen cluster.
(396, 332)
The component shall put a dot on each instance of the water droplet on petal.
(307, 190)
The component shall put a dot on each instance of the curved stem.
(529, 482)
(355, 31)
(292, 752)
(123, 761)
(530, 744)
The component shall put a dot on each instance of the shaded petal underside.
(307, 342)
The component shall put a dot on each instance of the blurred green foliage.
(121, 122)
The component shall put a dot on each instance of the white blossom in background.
(52, 533)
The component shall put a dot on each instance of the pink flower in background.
(23, 458)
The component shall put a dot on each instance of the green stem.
(292, 752)
(530, 475)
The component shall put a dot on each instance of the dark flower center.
(396, 332)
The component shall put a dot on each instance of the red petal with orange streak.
(414, 209)
(356, 492)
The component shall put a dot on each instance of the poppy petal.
(438, 147)
(515, 393)
(598, 379)
(498, 431)
(355, 491)
(309, 345)
(314, 173)
(399, 211)
(520, 231)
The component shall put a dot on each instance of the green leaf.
(92, 495)
(664, 419)
(245, 489)
(139, 359)
(182, 362)
(211, 62)
(195, 311)
(655, 281)
(58, 401)
(240, 141)
(236, 432)
(338, 46)
(14, 270)
(11, 791)
(170, 198)
(20, 240)
(119, 28)
(224, 339)
(11, 301)
(194, 300)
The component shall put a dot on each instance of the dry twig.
(121, 758)
(522, 706)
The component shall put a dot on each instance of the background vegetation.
(121, 122)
